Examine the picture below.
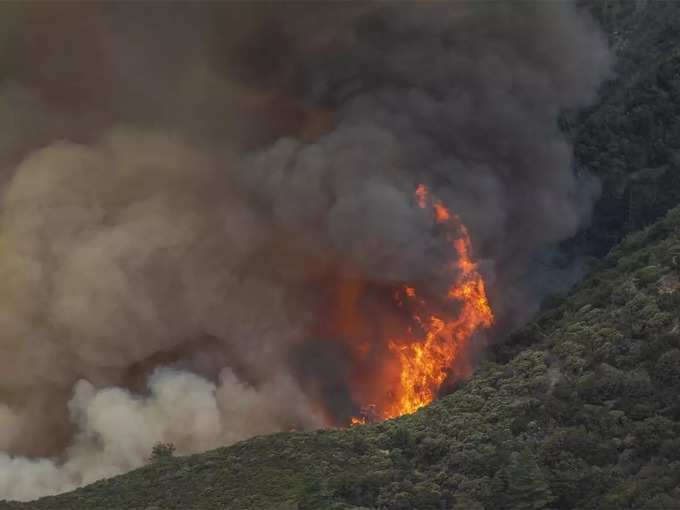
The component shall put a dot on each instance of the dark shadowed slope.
(630, 139)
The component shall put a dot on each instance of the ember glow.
(426, 358)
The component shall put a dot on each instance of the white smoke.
(117, 429)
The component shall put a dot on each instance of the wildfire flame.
(426, 362)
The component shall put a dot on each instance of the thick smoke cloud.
(195, 200)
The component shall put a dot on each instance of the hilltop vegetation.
(630, 139)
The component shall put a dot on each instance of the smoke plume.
(202, 207)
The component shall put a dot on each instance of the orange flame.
(441, 213)
(425, 363)
(421, 195)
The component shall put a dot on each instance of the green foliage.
(630, 139)
(521, 484)
(668, 368)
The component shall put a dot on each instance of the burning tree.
(426, 361)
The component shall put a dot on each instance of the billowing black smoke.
(185, 186)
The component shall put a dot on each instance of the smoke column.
(203, 207)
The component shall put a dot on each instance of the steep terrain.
(579, 409)
(630, 138)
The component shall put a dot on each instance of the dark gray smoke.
(189, 193)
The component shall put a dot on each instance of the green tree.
(523, 484)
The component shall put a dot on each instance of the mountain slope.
(630, 138)
(583, 413)
(580, 409)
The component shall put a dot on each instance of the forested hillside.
(581, 410)
(578, 409)
(630, 138)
